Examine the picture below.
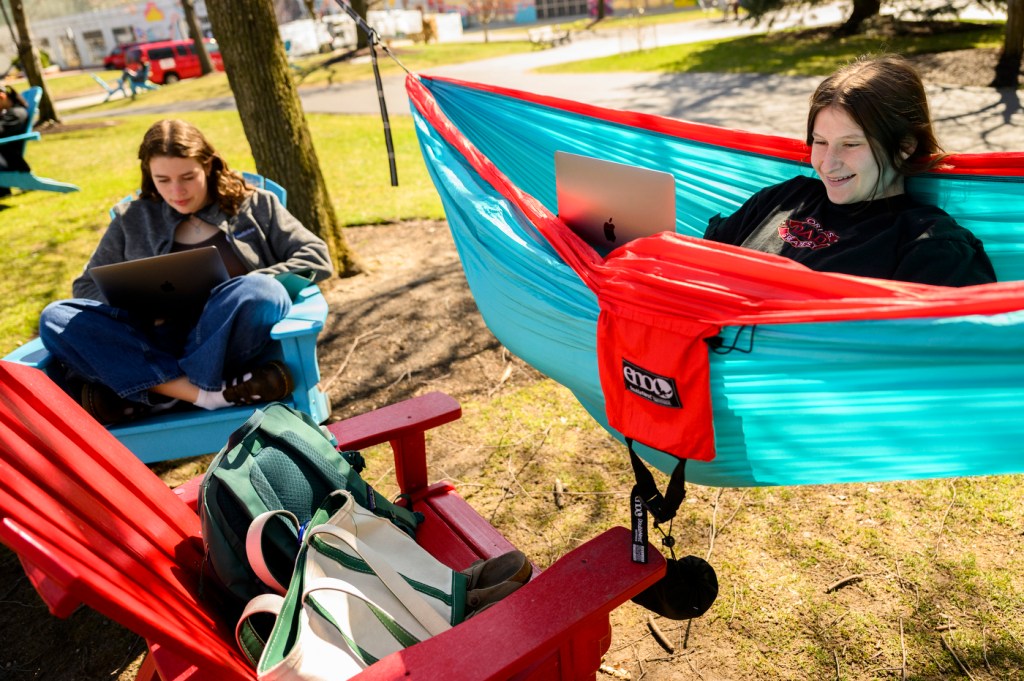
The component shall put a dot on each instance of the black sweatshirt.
(890, 238)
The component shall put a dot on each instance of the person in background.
(13, 121)
(122, 364)
(136, 77)
(868, 128)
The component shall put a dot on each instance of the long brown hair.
(180, 139)
(884, 95)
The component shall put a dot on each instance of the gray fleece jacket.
(264, 235)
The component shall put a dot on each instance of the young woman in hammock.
(868, 128)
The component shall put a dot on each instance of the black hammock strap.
(645, 498)
(374, 38)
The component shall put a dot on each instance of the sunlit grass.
(779, 52)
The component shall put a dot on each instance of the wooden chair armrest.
(403, 424)
(18, 138)
(308, 313)
(188, 492)
(525, 628)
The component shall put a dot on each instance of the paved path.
(967, 119)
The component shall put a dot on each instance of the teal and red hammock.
(805, 377)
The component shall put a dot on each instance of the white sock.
(211, 400)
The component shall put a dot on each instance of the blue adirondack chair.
(111, 90)
(193, 432)
(26, 180)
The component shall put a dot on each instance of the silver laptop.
(163, 284)
(610, 204)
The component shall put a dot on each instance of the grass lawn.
(48, 237)
(795, 52)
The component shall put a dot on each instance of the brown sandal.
(269, 383)
(495, 578)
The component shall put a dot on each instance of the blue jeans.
(129, 354)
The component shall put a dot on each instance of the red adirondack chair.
(93, 525)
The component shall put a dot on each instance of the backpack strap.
(645, 498)
(254, 547)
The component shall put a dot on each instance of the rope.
(374, 38)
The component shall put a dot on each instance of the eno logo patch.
(658, 389)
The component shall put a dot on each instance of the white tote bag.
(362, 589)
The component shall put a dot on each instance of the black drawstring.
(717, 345)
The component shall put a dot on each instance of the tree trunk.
(272, 116)
(862, 11)
(29, 58)
(361, 6)
(1008, 66)
(205, 63)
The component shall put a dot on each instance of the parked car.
(115, 60)
(173, 60)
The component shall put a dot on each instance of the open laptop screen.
(163, 284)
(609, 204)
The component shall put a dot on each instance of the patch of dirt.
(50, 128)
(974, 68)
(408, 325)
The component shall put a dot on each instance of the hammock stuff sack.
(806, 377)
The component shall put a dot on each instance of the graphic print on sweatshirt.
(806, 233)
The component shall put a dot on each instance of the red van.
(172, 60)
(115, 60)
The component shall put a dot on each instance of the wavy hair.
(180, 139)
(885, 96)
(15, 97)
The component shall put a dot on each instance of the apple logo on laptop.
(167, 287)
(609, 230)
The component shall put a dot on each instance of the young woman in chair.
(868, 128)
(125, 364)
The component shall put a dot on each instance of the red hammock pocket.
(655, 378)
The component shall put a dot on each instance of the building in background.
(83, 40)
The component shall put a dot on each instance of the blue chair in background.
(111, 90)
(138, 80)
(193, 432)
(24, 179)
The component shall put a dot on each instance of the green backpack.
(278, 460)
